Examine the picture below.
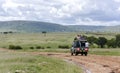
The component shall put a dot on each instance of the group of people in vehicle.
(79, 38)
(80, 45)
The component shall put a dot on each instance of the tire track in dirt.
(94, 63)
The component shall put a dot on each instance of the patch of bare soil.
(95, 63)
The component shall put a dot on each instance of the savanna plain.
(42, 53)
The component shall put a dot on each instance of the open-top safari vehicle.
(80, 47)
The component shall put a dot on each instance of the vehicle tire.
(71, 54)
(86, 53)
(81, 53)
(76, 53)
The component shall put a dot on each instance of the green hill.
(88, 28)
(37, 26)
(31, 26)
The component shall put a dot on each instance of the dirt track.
(91, 63)
(94, 63)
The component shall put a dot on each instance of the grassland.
(32, 40)
(27, 63)
(13, 62)
(95, 51)
(52, 40)
(106, 52)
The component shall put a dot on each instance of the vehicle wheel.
(71, 54)
(76, 53)
(86, 53)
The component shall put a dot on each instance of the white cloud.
(10, 4)
(98, 23)
(82, 12)
(117, 1)
(8, 18)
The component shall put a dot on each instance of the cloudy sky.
(66, 12)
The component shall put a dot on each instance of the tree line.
(103, 42)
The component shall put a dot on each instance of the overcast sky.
(66, 12)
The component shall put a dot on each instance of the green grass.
(98, 51)
(47, 50)
(52, 40)
(10, 62)
(108, 52)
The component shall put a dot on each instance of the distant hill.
(88, 28)
(36, 26)
(31, 26)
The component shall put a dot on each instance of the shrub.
(38, 47)
(18, 47)
(31, 47)
(13, 47)
(48, 47)
(63, 46)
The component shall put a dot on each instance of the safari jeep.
(79, 47)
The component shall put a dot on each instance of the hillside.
(36, 26)
(88, 28)
(31, 26)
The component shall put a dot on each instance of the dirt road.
(93, 63)
(90, 63)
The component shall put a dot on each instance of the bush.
(31, 47)
(48, 47)
(38, 47)
(13, 47)
(18, 47)
(63, 46)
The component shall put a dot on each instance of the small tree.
(5, 32)
(44, 32)
(101, 41)
(118, 40)
(92, 39)
(111, 43)
(10, 32)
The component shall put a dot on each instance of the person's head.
(78, 35)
